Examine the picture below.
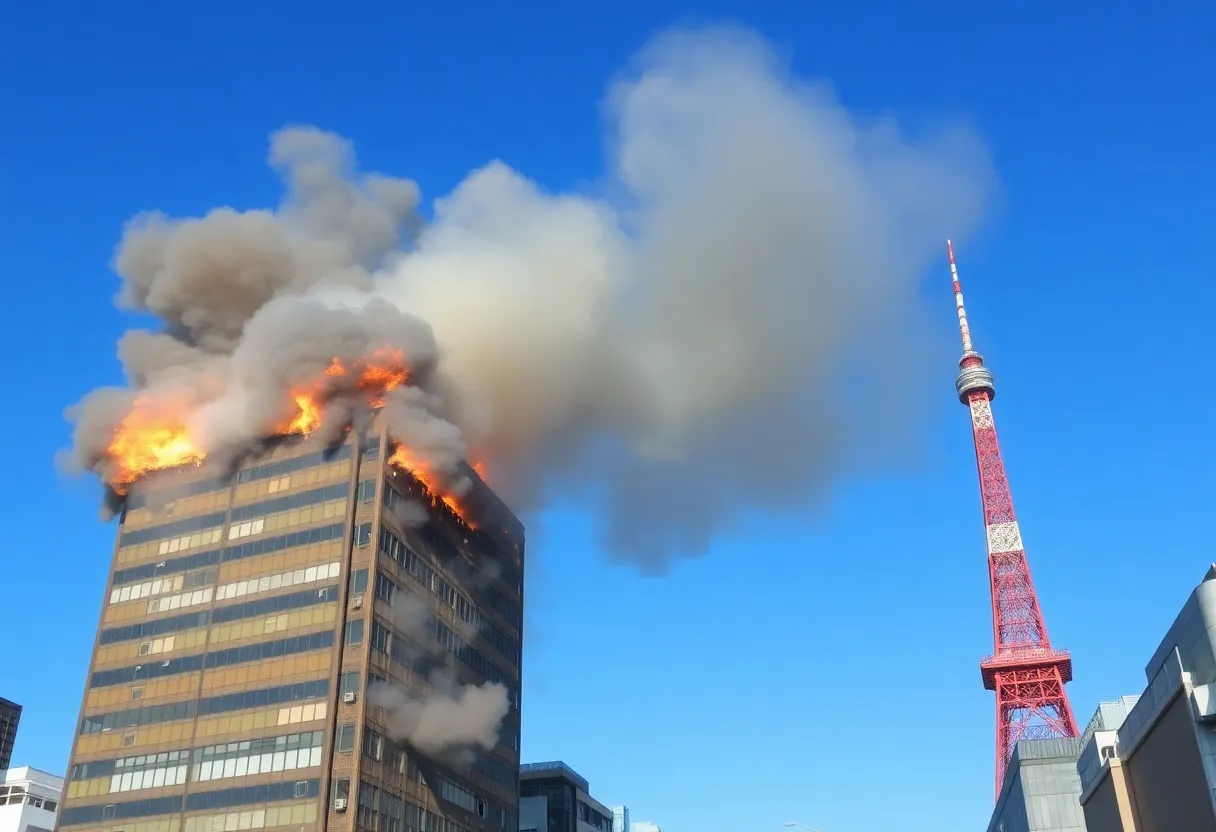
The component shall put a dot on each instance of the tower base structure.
(1030, 700)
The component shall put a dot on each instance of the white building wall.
(29, 800)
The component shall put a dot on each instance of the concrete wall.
(1166, 775)
(1103, 812)
(1042, 789)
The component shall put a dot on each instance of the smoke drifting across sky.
(738, 327)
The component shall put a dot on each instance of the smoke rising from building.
(707, 339)
(453, 720)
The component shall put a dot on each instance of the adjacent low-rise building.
(29, 800)
(555, 798)
(1154, 770)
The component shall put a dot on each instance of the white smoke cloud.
(718, 336)
(737, 326)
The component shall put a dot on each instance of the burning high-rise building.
(308, 638)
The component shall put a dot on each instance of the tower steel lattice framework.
(1027, 674)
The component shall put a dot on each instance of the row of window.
(380, 810)
(472, 657)
(591, 815)
(141, 762)
(223, 798)
(173, 545)
(416, 567)
(282, 580)
(174, 529)
(386, 640)
(237, 514)
(320, 534)
(261, 745)
(18, 797)
(153, 778)
(249, 609)
(492, 769)
(185, 599)
(324, 494)
(247, 529)
(158, 627)
(447, 593)
(290, 466)
(506, 607)
(140, 498)
(214, 658)
(161, 586)
(275, 603)
(291, 814)
(173, 711)
(304, 751)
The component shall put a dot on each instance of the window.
(351, 681)
(384, 587)
(354, 631)
(366, 492)
(373, 745)
(137, 693)
(358, 582)
(346, 738)
(363, 534)
(341, 790)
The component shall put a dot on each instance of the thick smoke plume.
(735, 325)
(454, 720)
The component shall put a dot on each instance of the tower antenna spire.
(964, 329)
(1026, 673)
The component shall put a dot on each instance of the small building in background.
(1041, 791)
(10, 715)
(645, 826)
(1154, 767)
(29, 800)
(620, 819)
(554, 798)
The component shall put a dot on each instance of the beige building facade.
(246, 614)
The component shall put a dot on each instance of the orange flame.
(146, 442)
(308, 418)
(149, 440)
(403, 458)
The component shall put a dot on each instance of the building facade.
(554, 798)
(1154, 769)
(10, 715)
(247, 617)
(29, 800)
(1041, 790)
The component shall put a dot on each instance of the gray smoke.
(738, 325)
(452, 719)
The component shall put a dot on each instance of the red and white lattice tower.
(1026, 673)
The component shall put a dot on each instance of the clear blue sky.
(819, 668)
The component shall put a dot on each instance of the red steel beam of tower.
(1026, 673)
